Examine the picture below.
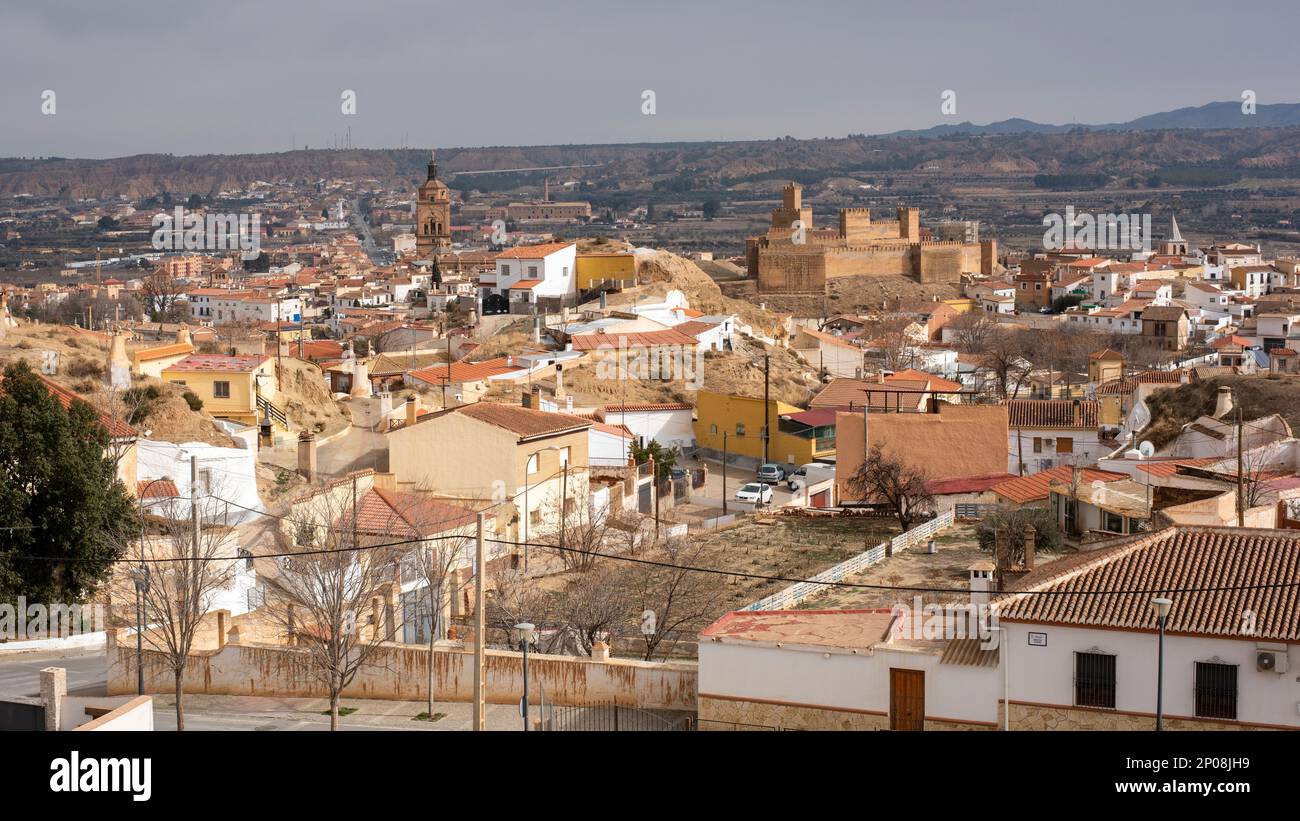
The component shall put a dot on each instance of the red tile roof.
(533, 251)
(1033, 487)
(1212, 574)
(648, 406)
(526, 422)
(466, 371)
(409, 515)
(1053, 413)
(967, 484)
(645, 339)
(219, 363)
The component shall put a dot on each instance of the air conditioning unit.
(1271, 661)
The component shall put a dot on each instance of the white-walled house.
(1046, 433)
(1060, 648)
(528, 273)
(1083, 658)
(671, 424)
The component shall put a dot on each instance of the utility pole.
(480, 570)
(355, 543)
(654, 488)
(194, 501)
(1020, 453)
(724, 473)
(1241, 462)
(766, 400)
(279, 366)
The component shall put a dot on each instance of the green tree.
(665, 458)
(59, 494)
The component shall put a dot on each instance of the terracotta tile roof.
(646, 339)
(694, 328)
(614, 430)
(937, 383)
(815, 418)
(1106, 353)
(1170, 467)
(163, 351)
(1212, 574)
(466, 371)
(320, 349)
(533, 251)
(648, 406)
(526, 422)
(409, 515)
(219, 363)
(968, 484)
(1032, 488)
(1053, 413)
(822, 336)
(526, 284)
(157, 489)
(1164, 313)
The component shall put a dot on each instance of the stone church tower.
(432, 215)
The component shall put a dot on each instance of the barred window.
(1216, 690)
(1094, 680)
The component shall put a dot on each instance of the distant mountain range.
(1210, 115)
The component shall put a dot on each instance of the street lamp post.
(1160, 606)
(525, 636)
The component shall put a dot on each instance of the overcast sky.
(134, 77)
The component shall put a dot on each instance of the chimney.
(1223, 405)
(981, 582)
(599, 651)
(537, 397)
(880, 377)
(559, 381)
(183, 336)
(412, 409)
(307, 455)
(1029, 535)
(119, 367)
(360, 379)
(1077, 409)
(604, 300)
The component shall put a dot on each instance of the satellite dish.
(1147, 450)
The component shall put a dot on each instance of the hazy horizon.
(139, 77)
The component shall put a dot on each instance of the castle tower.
(792, 209)
(432, 214)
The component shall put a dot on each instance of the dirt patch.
(307, 401)
(846, 295)
(662, 272)
(1258, 395)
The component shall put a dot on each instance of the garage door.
(822, 499)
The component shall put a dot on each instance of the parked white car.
(755, 492)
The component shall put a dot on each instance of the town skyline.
(489, 82)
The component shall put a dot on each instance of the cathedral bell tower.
(432, 214)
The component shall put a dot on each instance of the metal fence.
(787, 598)
(611, 717)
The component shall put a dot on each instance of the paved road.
(20, 674)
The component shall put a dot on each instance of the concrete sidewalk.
(206, 712)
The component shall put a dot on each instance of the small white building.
(528, 273)
(671, 424)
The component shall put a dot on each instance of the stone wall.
(1056, 717)
(742, 714)
(401, 672)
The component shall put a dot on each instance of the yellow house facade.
(613, 270)
(741, 419)
(228, 385)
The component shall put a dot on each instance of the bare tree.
(328, 596)
(971, 331)
(437, 564)
(590, 607)
(890, 479)
(584, 529)
(1004, 356)
(177, 565)
(161, 291)
(670, 599)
